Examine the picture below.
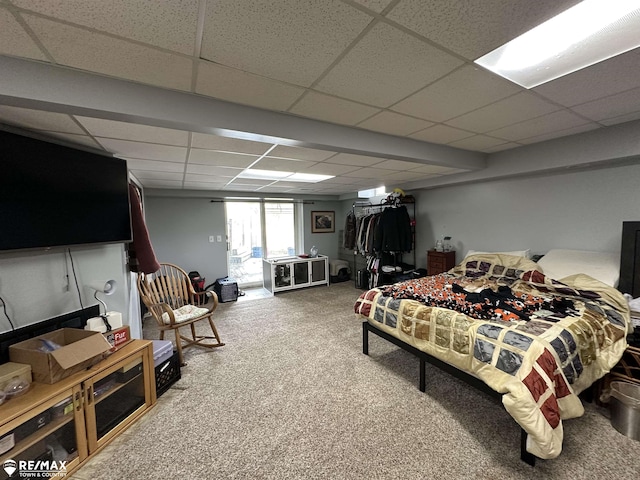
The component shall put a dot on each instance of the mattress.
(538, 341)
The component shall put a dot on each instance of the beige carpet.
(291, 396)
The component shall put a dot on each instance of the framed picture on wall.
(323, 222)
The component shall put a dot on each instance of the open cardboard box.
(79, 349)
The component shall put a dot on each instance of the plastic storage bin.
(162, 350)
(625, 408)
(167, 373)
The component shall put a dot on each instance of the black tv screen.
(52, 195)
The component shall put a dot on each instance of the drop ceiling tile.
(14, 40)
(355, 160)
(227, 144)
(330, 169)
(477, 142)
(472, 29)
(154, 165)
(460, 92)
(146, 151)
(246, 88)
(375, 5)
(100, 127)
(545, 125)
(241, 188)
(289, 40)
(369, 173)
(301, 153)
(397, 165)
(203, 185)
(84, 140)
(79, 48)
(559, 133)
(282, 164)
(394, 123)
(251, 181)
(332, 109)
(210, 179)
(594, 82)
(174, 184)
(220, 159)
(385, 66)
(519, 107)
(39, 120)
(155, 175)
(223, 172)
(339, 181)
(170, 25)
(624, 103)
(441, 134)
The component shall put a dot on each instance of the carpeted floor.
(291, 396)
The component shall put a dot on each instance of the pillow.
(603, 266)
(184, 313)
(515, 253)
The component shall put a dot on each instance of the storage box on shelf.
(70, 420)
(79, 349)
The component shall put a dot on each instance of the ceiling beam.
(37, 85)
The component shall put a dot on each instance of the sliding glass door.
(257, 229)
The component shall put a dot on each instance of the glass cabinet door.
(318, 271)
(300, 273)
(55, 432)
(113, 397)
(282, 275)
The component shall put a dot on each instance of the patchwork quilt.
(537, 340)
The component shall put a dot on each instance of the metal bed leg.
(423, 385)
(525, 456)
(365, 338)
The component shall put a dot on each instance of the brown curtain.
(142, 258)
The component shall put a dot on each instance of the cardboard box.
(79, 350)
(118, 337)
(10, 370)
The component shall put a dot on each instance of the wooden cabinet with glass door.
(66, 422)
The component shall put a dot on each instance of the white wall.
(578, 210)
(35, 286)
(180, 227)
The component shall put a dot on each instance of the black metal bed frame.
(424, 357)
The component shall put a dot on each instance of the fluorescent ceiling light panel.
(588, 33)
(255, 173)
(308, 177)
(263, 174)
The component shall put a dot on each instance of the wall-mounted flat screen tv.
(53, 196)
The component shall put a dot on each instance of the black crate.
(167, 373)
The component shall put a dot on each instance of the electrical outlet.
(211, 239)
(219, 238)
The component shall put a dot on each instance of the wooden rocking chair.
(173, 302)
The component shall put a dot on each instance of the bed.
(534, 340)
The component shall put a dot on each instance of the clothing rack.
(374, 260)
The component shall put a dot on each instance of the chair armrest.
(202, 299)
(158, 309)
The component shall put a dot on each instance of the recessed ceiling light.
(588, 33)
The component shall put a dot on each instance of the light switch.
(211, 239)
(219, 238)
